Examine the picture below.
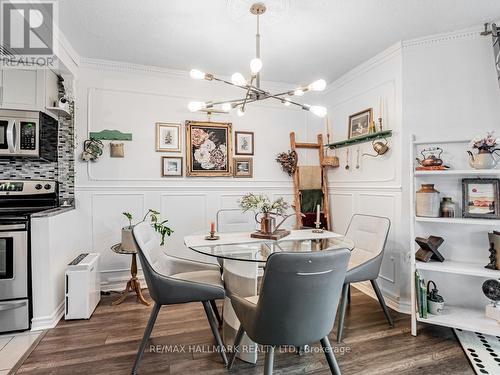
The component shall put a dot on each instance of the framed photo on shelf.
(168, 137)
(481, 198)
(359, 123)
(171, 166)
(244, 143)
(243, 167)
(209, 149)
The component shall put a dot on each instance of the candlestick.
(212, 235)
(318, 228)
(318, 207)
(212, 227)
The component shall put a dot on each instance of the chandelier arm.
(288, 101)
(247, 95)
(246, 87)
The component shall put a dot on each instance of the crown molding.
(468, 33)
(121, 66)
(364, 67)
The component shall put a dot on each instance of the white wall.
(374, 188)
(131, 99)
(56, 240)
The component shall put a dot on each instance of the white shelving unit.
(470, 319)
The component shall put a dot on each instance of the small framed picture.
(359, 123)
(243, 167)
(480, 198)
(244, 143)
(171, 166)
(168, 137)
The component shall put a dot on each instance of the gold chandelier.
(253, 90)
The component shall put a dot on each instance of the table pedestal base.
(133, 285)
(240, 278)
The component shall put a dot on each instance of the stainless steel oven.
(14, 294)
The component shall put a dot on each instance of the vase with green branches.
(128, 242)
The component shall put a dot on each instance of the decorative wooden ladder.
(324, 179)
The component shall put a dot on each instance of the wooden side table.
(133, 285)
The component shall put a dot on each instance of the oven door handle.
(5, 227)
(11, 135)
(12, 306)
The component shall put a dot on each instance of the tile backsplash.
(62, 170)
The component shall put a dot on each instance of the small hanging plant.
(288, 161)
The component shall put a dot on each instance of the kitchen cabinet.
(28, 89)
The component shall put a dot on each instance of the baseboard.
(390, 300)
(48, 321)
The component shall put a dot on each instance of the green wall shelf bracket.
(360, 139)
(111, 135)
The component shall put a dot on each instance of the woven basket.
(330, 161)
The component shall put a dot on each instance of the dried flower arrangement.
(288, 161)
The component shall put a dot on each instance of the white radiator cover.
(82, 288)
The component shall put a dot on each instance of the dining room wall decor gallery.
(168, 137)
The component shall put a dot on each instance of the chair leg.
(343, 307)
(349, 294)
(269, 361)
(237, 341)
(382, 302)
(216, 312)
(215, 331)
(330, 357)
(145, 338)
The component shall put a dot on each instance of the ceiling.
(301, 40)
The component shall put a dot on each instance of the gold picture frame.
(359, 123)
(168, 137)
(243, 167)
(209, 149)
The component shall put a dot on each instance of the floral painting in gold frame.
(209, 149)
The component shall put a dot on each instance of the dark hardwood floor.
(107, 344)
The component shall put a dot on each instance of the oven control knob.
(38, 186)
(47, 186)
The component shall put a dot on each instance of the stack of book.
(421, 293)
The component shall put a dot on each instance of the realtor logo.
(27, 31)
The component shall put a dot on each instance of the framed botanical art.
(171, 166)
(359, 123)
(244, 143)
(168, 137)
(480, 198)
(243, 167)
(209, 149)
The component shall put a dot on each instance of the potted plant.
(487, 148)
(128, 242)
(435, 302)
(262, 205)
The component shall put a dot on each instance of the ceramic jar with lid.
(427, 201)
(448, 207)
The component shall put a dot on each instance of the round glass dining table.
(242, 259)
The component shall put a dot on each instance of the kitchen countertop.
(52, 212)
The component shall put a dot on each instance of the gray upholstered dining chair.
(369, 234)
(174, 280)
(299, 292)
(235, 220)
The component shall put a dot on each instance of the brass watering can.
(379, 147)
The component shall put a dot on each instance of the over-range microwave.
(28, 134)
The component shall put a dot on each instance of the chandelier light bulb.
(238, 79)
(197, 74)
(318, 110)
(196, 106)
(226, 107)
(286, 102)
(318, 85)
(240, 112)
(298, 92)
(255, 65)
